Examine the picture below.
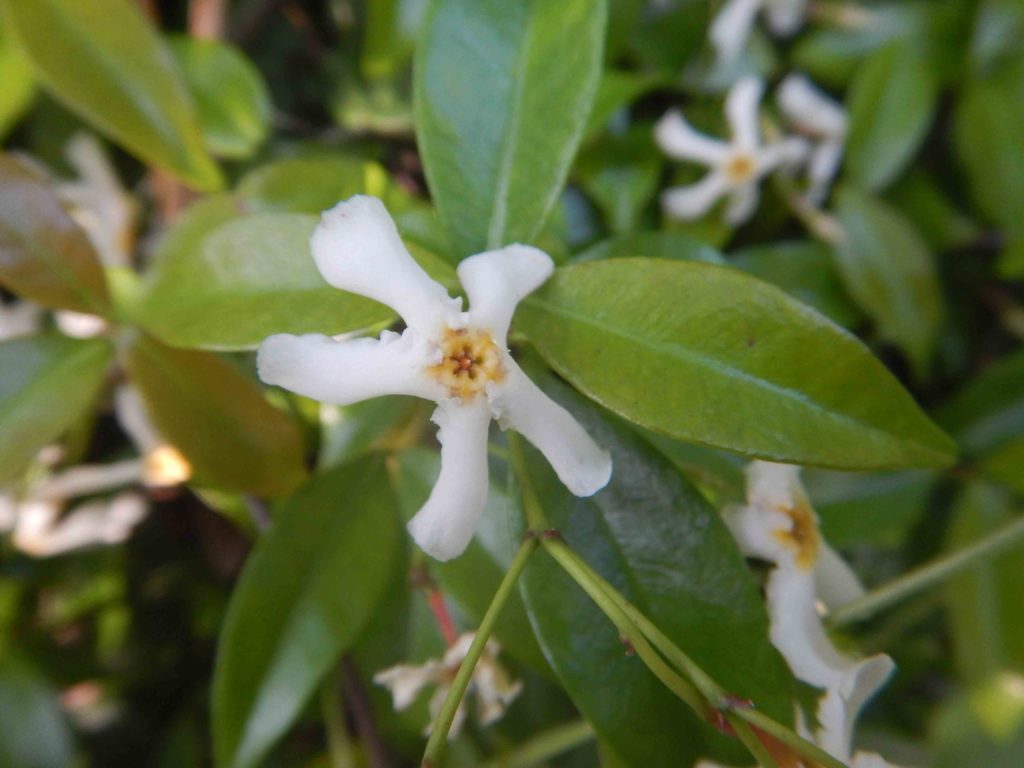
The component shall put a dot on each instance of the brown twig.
(357, 702)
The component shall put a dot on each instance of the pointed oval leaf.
(46, 384)
(890, 272)
(19, 87)
(232, 101)
(103, 60)
(654, 538)
(307, 591)
(44, 255)
(218, 418)
(502, 95)
(710, 355)
(233, 284)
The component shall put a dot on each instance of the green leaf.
(891, 102)
(103, 60)
(233, 285)
(986, 134)
(312, 184)
(19, 87)
(660, 245)
(890, 272)
(44, 255)
(306, 592)
(231, 99)
(502, 95)
(33, 732)
(616, 91)
(959, 736)
(711, 355)
(984, 614)
(806, 271)
(218, 418)
(46, 384)
(621, 175)
(652, 535)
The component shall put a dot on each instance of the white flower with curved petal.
(457, 359)
(730, 29)
(737, 166)
(491, 684)
(814, 114)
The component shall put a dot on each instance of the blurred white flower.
(458, 359)
(731, 27)
(162, 464)
(491, 684)
(777, 524)
(18, 318)
(40, 526)
(815, 115)
(80, 325)
(737, 166)
(98, 201)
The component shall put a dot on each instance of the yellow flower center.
(471, 361)
(740, 167)
(802, 537)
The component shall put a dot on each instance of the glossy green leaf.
(306, 593)
(103, 60)
(232, 101)
(652, 535)
(44, 255)
(502, 95)
(249, 278)
(659, 245)
(985, 620)
(891, 102)
(19, 86)
(890, 272)
(986, 133)
(46, 384)
(806, 271)
(311, 184)
(218, 418)
(33, 732)
(735, 363)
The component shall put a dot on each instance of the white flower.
(777, 524)
(491, 684)
(162, 464)
(731, 27)
(100, 205)
(41, 528)
(817, 116)
(736, 166)
(19, 318)
(457, 359)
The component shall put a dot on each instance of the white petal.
(731, 27)
(134, 419)
(346, 372)
(754, 528)
(104, 521)
(785, 16)
(837, 584)
(742, 203)
(80, 325)
(809, 109)
(741, 110)
(796, 628)
(518, 403)
(496, 281)
(841, 705)
(693, 201)
(405, 681)
(771, 484)
(678, 139)
(790, 151)
(821, 169)
(357, 249)
(87, 479)
(445, 524)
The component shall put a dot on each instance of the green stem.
(929, 575)
(788, 737)
(439, 734)
(753, 744)
(545, 746)
(340, 749)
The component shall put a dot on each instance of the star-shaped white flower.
(777, 524)
(731, 27)
(491, 684)
(736, 166)
(824, 121)
(457, 359)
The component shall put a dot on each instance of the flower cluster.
(458, 359)
(738, 165)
